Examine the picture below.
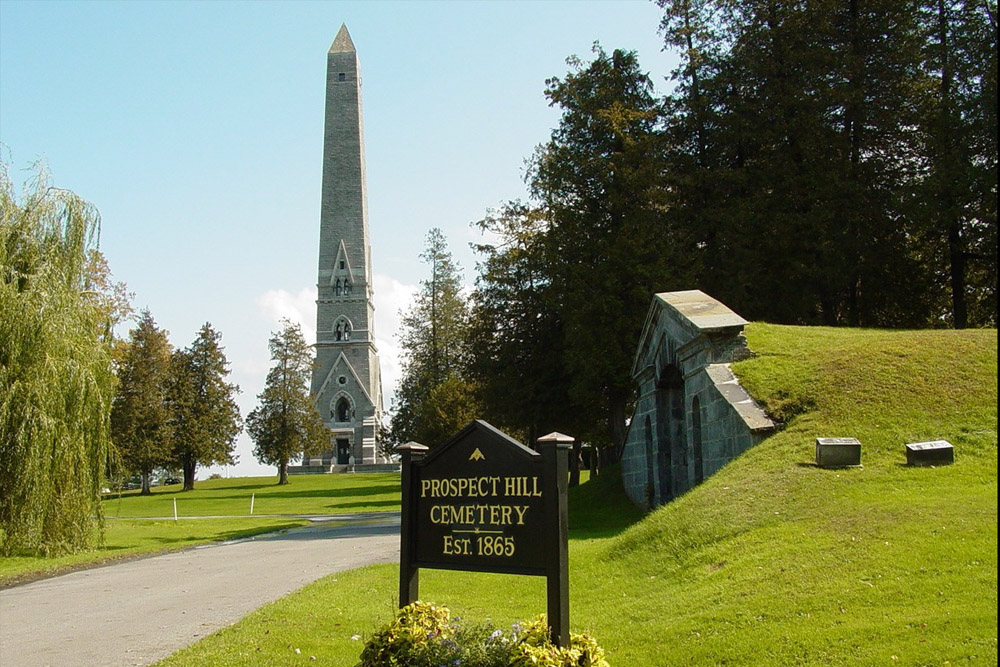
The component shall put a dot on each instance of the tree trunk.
(188, 465)
(574, 463)
(956, 254)
(145, 485)
(616, 421)
(948, 173)
(283, 472)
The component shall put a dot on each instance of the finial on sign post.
(560, 440)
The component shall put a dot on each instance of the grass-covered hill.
(777, 559)
(772, 560)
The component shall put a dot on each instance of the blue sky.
(196, 130)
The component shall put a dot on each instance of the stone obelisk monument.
(346, 380)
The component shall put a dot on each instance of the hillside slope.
(775, 561)
(771, 561)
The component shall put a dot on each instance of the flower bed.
(425, 635)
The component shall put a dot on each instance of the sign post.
(409, 581)
(555, 455)
(484, 502)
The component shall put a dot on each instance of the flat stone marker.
(838, 452)
(934, 453)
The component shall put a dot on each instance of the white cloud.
(391, 297)
(300, 308)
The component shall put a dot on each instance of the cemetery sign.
(486, 503)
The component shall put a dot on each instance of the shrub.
(425, 635)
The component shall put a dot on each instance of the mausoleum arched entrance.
(671, 438)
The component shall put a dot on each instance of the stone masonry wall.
(692, 417)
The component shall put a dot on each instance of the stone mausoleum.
(692, 416)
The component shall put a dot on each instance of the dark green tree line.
(826, 162)
(837, 160)
(957, 184)
(561, 298)
(515, 326)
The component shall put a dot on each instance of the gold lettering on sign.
(460, 487)
(485, 545)
(479, 515)
(457, 546)
(481, 487)
(478, 528)
(522, 486)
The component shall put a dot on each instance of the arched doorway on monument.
(671, 435)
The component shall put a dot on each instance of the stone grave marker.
(838, 452)
(934, 453)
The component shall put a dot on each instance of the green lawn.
(127, 538)
(770, 561)
(126, 535)
(304, 494)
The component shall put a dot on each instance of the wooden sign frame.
(484, 502)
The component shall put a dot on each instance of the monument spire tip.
(342, 43)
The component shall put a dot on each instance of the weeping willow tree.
(56, 379)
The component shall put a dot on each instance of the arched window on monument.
(347, 287)
(338, 332)
(343, 410)
(347, 331)
(337, 289)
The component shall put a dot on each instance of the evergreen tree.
(958, 188)
(285, 424)
(517, 358)
(836, 161)
(139, 416)
(56, 376)
(600, 179)
(434, 351)
(205, 419)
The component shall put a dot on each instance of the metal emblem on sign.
(477, 456)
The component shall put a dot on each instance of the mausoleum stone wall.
(692, 416)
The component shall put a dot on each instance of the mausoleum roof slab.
(685, 317)
(702, 311)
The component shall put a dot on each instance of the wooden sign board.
(486, 503)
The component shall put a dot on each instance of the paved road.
(141, 611)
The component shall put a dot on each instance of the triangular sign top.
(479, 435)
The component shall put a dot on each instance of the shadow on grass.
(353, 492)
(591, 533)
(225, 536)
(371, 503)
(325, 532)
